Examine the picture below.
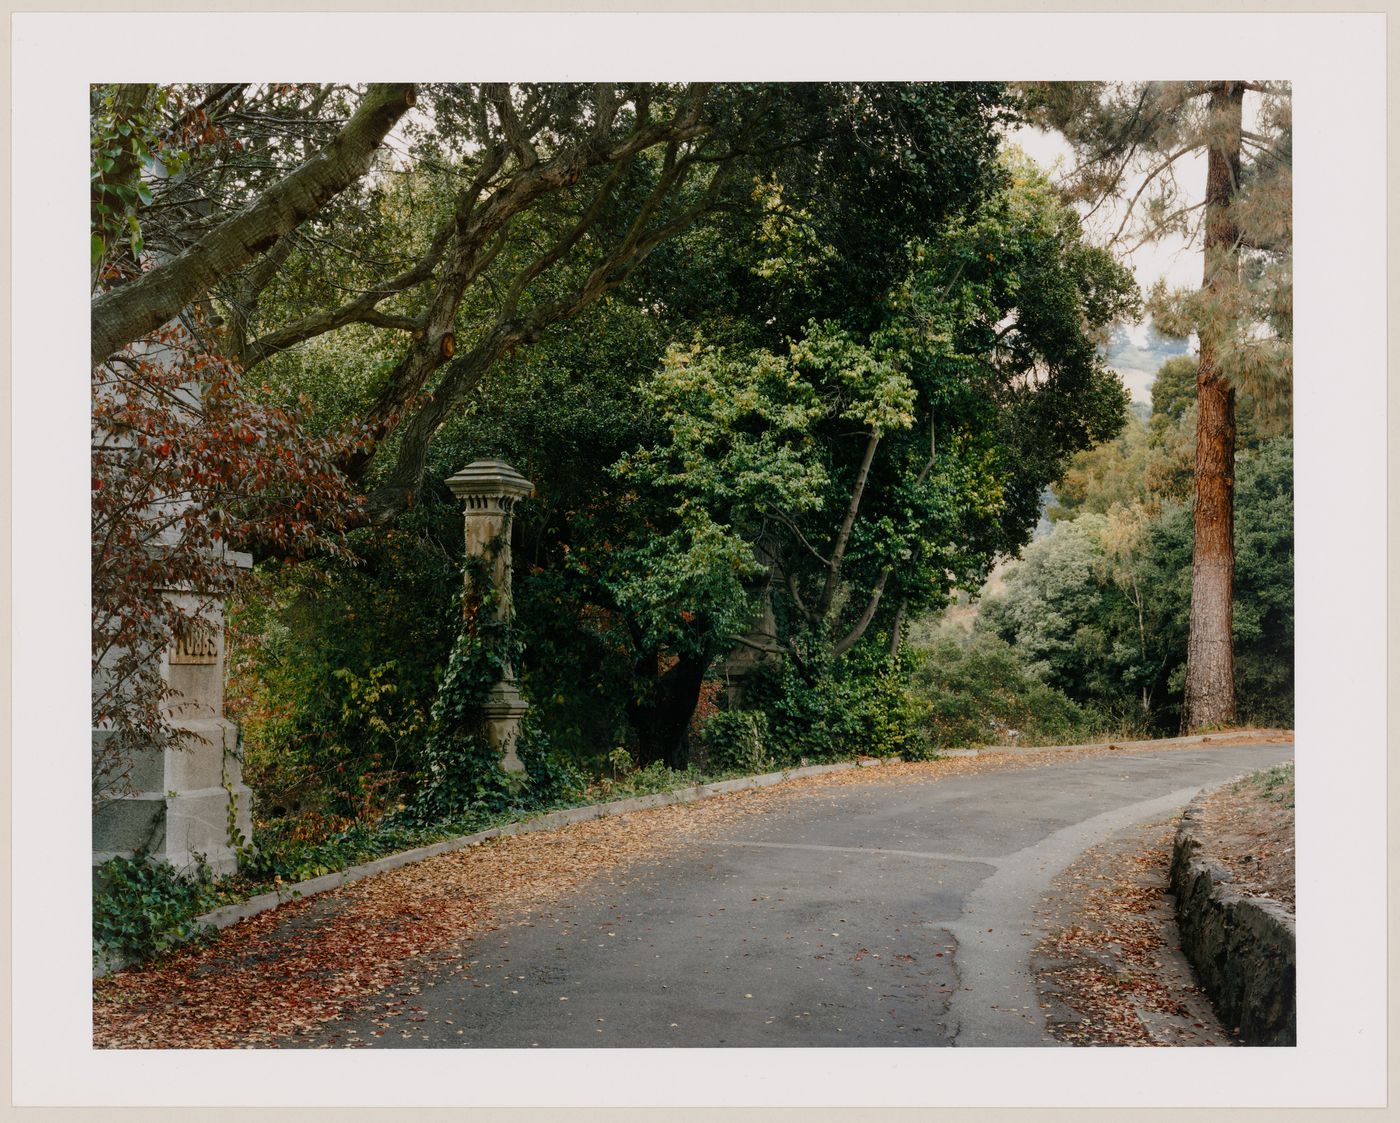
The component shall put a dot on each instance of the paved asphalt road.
(884, 913)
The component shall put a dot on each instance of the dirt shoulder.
(1248, 828)
(1111, 971)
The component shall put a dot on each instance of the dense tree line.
(1099, 609)
(351, 265)
(790, 366)
(827, 405)
(1242, 313)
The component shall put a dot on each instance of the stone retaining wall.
(1242, 947)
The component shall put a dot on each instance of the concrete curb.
(231, 914)
(1242, 947)
(1223, 738)
(228, 915)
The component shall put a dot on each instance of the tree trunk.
(1210, 684)
(897, 629)
(661, 718)
(838, 551)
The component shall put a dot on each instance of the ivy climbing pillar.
(489, 490)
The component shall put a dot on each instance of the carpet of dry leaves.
(1112, 972)
(284, 972)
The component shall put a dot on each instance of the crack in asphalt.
(827, 943)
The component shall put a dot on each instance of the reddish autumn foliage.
(706, 706)
(186, 466)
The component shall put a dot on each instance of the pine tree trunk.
(1210, 682)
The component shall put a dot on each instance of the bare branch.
(853, 636)
(796, 595)
(566, 243)
(783, 518)
(363, 309)
(767, 648)
(1149, 178)
(1151, 235)
(499, 95)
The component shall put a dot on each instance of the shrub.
(334, 664)
(855, 705)
(982, 692)
(657, 776)
(143, 907)
(552, 780)
(736, 741)
(285, 852)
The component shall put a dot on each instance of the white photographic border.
(1337, 66)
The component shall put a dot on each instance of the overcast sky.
(1138, 352)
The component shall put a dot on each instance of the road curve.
(890, 912)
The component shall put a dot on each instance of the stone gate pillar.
(489, 490)
(174, 802)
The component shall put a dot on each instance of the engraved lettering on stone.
(195, 643)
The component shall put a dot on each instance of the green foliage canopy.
(1100, 607)
(848, 471)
